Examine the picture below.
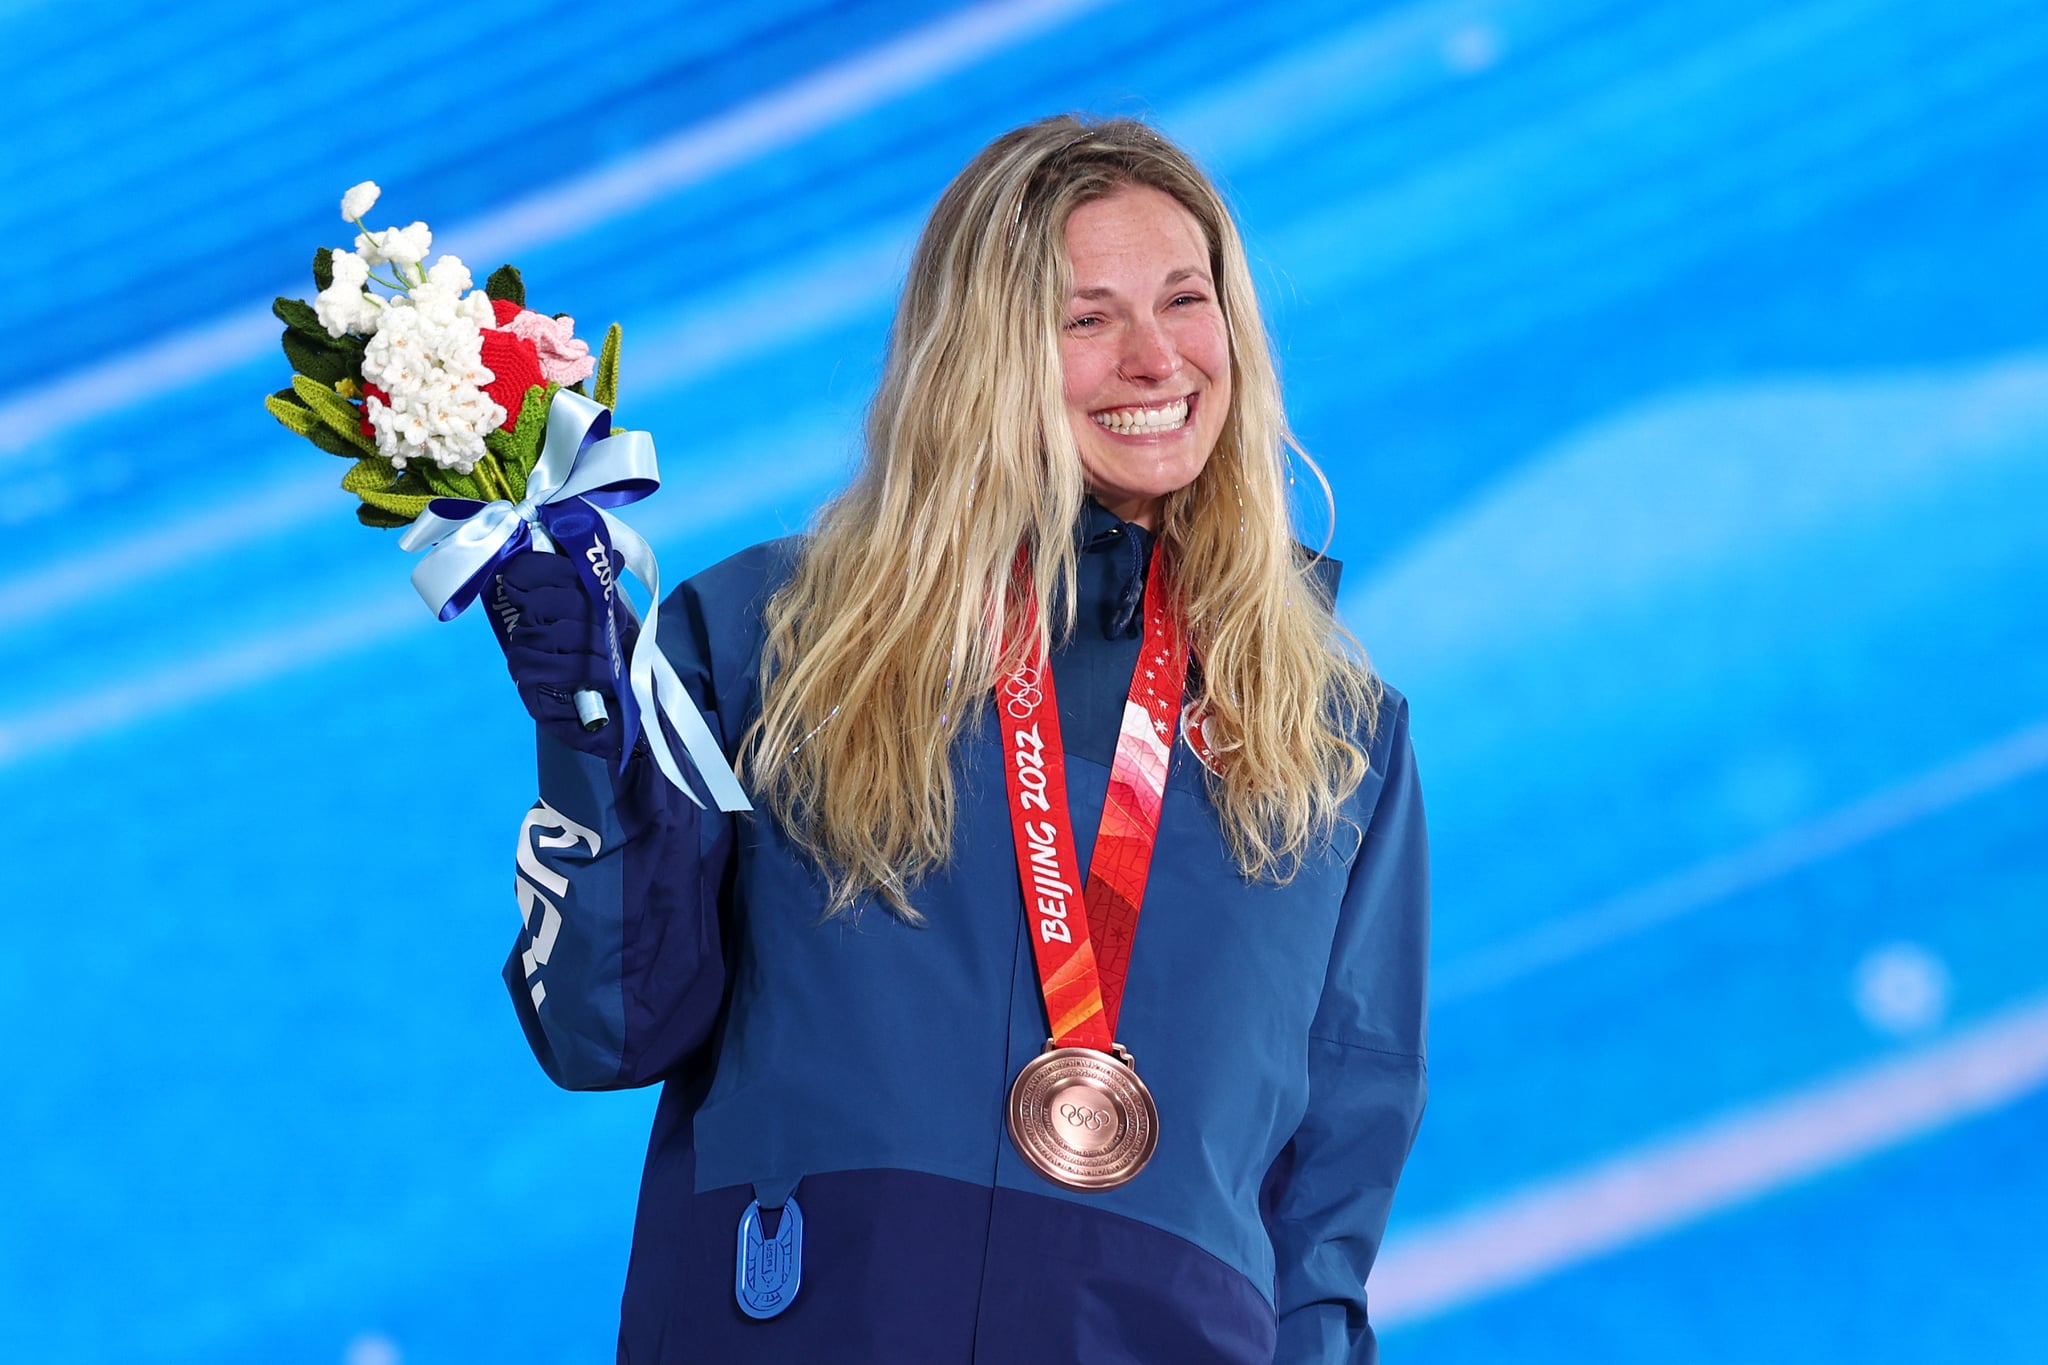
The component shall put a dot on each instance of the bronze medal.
(1082, 1118)
(1078, 1114)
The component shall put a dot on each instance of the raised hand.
(553, 637)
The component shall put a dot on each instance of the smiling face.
(1143, 348)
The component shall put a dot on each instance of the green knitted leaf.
(337, 412)
(332, 441)
(506, 284)
(321, 364)
(606, 394)
(323, 267)
(446, 483)
(370, 474)
(295, 415)
(298, 315)
(379, 485)
(518, 450)
(289, 410)
(379, 518)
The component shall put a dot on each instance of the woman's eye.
(1081, 323)
(1180, 299)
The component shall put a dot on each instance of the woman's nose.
(1148, 353)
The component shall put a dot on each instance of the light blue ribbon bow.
(582, 471)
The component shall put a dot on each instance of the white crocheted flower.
(476, 307)
(429, 359)
(400, 246)
(359, 200)
(343, 306)
(448, 272)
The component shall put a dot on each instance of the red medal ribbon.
(1083, 949)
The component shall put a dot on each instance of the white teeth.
(1144, 421)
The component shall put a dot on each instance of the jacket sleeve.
(1328, 1196)
(618, 974)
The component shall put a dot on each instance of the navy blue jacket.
(864, 1064)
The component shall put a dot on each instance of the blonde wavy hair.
(889, 635)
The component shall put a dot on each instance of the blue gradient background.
(1682, 374)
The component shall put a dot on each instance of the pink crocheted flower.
(563, 359)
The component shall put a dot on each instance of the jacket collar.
(1101, 531)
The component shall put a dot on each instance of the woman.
(864, 1150)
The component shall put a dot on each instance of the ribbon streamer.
(583, 470)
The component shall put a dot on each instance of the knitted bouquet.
(433, 388)
(466, 416)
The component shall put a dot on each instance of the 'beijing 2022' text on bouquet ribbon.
(469, 424)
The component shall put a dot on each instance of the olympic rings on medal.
(1081, 1116)
(1022, 694)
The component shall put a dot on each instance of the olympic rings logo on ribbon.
(1081, 1116)
(1022, 694)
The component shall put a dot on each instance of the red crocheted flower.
(371, 391)
(514, 361)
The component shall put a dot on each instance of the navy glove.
(553, 637)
